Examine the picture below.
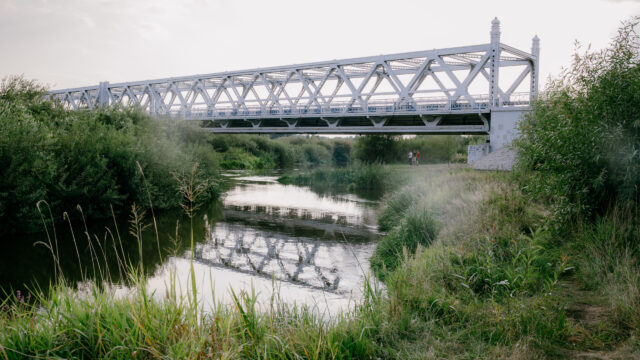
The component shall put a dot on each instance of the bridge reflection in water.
(313, 246)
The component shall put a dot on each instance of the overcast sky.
(70, 43)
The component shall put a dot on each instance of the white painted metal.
(432, 91)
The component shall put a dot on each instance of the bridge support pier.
(503, 131)
(504, 127)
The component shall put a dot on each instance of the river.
(277, 240)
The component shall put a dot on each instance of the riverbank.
(471, 269)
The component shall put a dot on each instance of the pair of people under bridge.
(414, 158)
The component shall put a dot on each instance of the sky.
(73, 43)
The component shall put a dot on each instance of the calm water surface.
(274, 239)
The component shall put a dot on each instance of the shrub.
(253, 152)
(580, 146)
(237, 159)
(395, 208)
(341, 155)
(376, 148)
(87, 158)
(417, 228)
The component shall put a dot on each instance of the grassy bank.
(498, 281)
(98, 325)
(472, 270)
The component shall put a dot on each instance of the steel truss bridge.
(452, 90)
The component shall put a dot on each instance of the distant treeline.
(261, 152)
(433, 148)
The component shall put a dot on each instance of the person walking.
(418, 158)
(410, 158)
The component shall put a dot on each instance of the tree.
(580, 145)
(375, 148)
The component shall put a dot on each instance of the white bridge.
(478, 89)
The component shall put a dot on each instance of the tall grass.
(98, 321)
(610, 268)
(98, 325)
(416, 229)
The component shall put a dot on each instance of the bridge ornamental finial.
(535, 45)
(535, 69)
(495, 30)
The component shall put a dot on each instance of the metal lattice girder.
(395, 93)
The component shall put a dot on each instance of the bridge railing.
(523, 99)
(349, 109)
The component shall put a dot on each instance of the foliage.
(469, 264)
(101, 325)
(416, 228)
(433, 148)
(580, 147)
(486, 279)
(258, 152)
(87, 158)
(341, 155)
(376, 148)
(357, 177)
(395, 207)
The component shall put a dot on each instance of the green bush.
(254, 152)
(376, 148)
(580, 146)
(71, 158)
(237, 159)
(417, 228)
(395, 208)
(341, 155)
(316, 155)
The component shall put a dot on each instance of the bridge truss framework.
(450, 90)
